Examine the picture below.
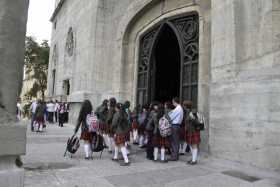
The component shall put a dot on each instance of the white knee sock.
(180, 148)
(116, 153)
(86, 148)
(127, 151)
(123, 150)
(131, 137)
(145, 140)
(194, 154)
(155, 153)
(107, 141)
(141, 140)
(185, 147)
(111, 143)
(162, 153)
(134, 135)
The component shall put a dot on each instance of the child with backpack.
(86, 135)
(160, 140)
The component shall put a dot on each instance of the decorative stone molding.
(70, 42)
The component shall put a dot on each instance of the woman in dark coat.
(120, 129)
(192, 135)
(86, 110)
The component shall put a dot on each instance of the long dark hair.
(121, 109)
(85, 110)
(112, 102)
(160, 111)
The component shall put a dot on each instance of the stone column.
(13, 18)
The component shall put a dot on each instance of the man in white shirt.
(50, 110)
(176, 117)
(33, 110)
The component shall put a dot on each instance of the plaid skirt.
(182, 133)
(40, 120)
(159, 141)
(87, 136)
(109, 131)
(120, 139)
(193, 138)
(102, 127)
(134, 125)
(127, 136)
(141, 130)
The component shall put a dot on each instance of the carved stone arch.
(130, 31)
(186, 29)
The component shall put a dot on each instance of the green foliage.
(36, 63)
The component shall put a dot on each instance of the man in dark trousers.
(176, 117)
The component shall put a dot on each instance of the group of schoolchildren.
(117, 125)
(51, 112)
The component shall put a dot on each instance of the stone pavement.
(45, 166)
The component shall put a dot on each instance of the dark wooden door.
(186, 29)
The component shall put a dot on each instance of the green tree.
(36, 66)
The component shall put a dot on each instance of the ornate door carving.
(144, 74)
(187, 31)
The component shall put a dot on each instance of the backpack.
(197, 120)
(97, 143)
(92, 122)
(165, 127)
(73, 145)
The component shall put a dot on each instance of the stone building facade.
(221, 54)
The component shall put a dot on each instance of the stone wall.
(13, 18)
(245, 66)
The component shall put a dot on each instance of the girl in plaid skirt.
(86, 109)
(192, 135)
(110, 138)
(158, 141)
(120, 129)
(142, 119)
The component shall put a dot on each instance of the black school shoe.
(125, 164)
(192, 163)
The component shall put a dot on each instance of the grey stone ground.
(45, 166)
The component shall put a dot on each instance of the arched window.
(70, 42)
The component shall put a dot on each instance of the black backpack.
(97, 143)
(198, 120)
(73, 144)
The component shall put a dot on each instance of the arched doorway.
(168, 61)
(166, 66)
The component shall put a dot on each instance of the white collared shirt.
(176, 115)
(33, 107)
